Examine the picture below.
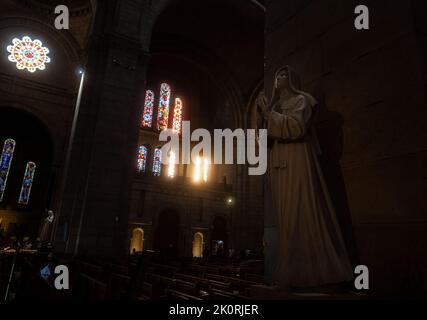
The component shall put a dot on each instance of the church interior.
(82, 178)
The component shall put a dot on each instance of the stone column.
(93, 216)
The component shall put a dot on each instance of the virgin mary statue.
(310, 251)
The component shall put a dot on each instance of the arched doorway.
(137, 241)
(167, 233)
(198, 245)
(219, 239)
(28, 190)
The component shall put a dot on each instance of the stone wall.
(371, 88)
(196, 205)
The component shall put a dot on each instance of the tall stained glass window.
(28, 54)
(142, 158)
(163, 111)
(147, 117)
(177, 116)
(5, 161)
(27, 183)
(157, 162)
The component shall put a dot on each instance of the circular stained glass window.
(28, 54)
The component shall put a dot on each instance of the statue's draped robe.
(311, 250)
(45, 230)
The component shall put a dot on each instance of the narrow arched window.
(147, 116)
(27, 183)
(198, 245)
(163, 111)
(142, 158)
(157, 162)
(137, 241)
(5, 162)
(177, 116)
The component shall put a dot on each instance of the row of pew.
(163, 282)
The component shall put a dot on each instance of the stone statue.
(308, 248)
(45, 229)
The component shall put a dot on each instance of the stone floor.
(264, 292)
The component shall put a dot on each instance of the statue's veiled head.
(286, 78)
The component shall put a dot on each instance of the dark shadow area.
(166, 236)
(330, 134)
(33, 144)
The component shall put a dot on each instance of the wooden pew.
(154, 288)
(91, 270)
(162, 284)
(164, 269)
(187, 287)
(235, 284)
(229, 270)
(120, 269)
(147, 292)
(194, 279)
(223, 286)
(216, 294)
(167, 281)
(259, 279)
(195, 270)
(176, 295)
(90, 289)
(233, 281)
(212, 270)
(117, 285)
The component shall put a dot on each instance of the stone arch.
(167, 231)
(137, 240)
(233, 88)
(198, 245)
(151, 11)
(207, 64)
(34, 143)
(52, 130)
(230, 83)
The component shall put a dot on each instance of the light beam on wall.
(197, 170)
(205, 170)
(171, 167)
(201, 169)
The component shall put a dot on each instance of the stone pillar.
(93, 215)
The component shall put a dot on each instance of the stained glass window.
(147, 117)
(177, 116)
(163, 111)
(205, 170)
(28, 54)
(142, 158)
(5, 161)
(157, 162)
(27, 183)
